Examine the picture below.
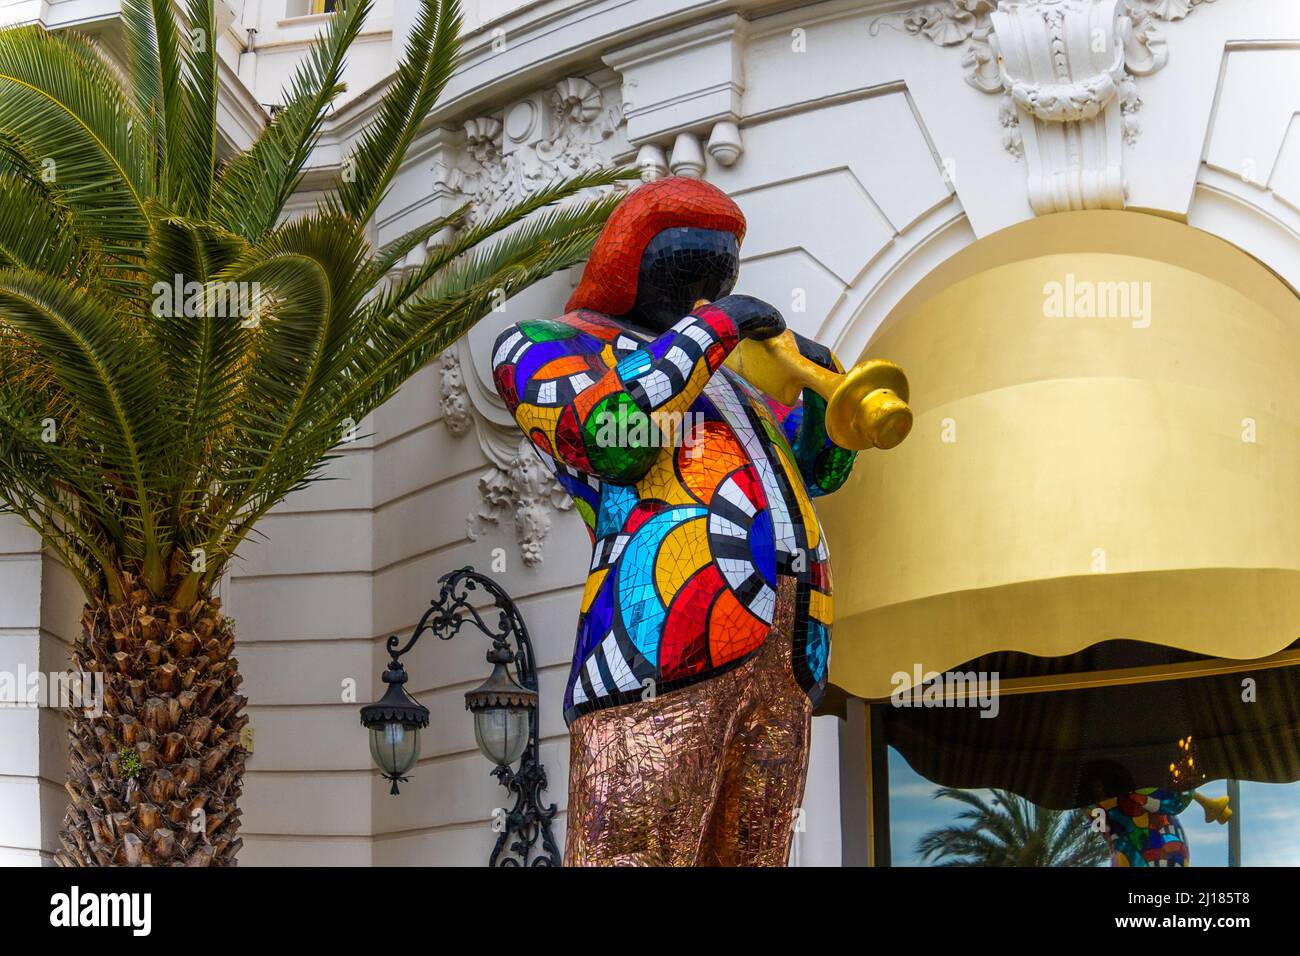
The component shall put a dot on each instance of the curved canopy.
(1106, 447)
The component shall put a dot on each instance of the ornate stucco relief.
(516, 483)
(553, 134)
(457, 412)
(524, 488)
(1065, 70)
(497, 160)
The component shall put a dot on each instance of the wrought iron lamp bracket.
(525, 836)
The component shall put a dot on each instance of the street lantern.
(503, 711)
(395, 723)
(504, 708)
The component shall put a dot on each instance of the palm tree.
(143, 436)
(1011, 831)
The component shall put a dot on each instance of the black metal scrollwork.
(528, 822)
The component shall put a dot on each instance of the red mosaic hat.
(609, 281)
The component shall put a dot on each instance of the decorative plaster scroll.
(526, 489)
(1062, 62)
(516, 482)
(947, 22)
(457, 413)
(551, 135)
(1066, 71)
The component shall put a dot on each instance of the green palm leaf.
(79, 132)
(194, 169)
(424, 71)
(34, 231)
(253, 188)
(1008, 830)
(177, 356)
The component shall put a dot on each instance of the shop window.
(1130, 750)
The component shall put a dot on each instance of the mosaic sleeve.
(603, 416)
(1173, 801)
(824, 465)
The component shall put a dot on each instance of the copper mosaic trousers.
(709, 775)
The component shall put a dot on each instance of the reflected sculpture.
(692, 431)
(1141, 826)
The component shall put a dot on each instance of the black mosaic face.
(678, 268)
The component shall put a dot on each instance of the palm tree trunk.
(155, 779)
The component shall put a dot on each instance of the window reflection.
(1144, 763)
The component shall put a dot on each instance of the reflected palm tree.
(1008, 830)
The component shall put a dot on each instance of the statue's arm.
(824, 465)
(1174, 801)
(601, 422)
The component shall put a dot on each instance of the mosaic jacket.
(1142, 827)
(690, 525)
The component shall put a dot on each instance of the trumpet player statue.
(675, 415)
(1141, 826)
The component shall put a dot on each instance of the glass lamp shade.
(502, 712)
(394, 723)
(395, 747)
(502, 733)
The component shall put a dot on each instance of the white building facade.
(867, 142)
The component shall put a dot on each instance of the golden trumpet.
(866, 407)
(1216, 810)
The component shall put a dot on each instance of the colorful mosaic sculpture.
(1142, 827)
(696, 489)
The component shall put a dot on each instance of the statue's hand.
(754, 318)
(816, 353)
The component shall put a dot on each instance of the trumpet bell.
(865, 407)
(868, 408)
(1216, 809)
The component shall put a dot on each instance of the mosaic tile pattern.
(1143, 830)
(610, 280)
(690, 538)
(709, 776)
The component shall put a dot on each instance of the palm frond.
(252, 189)
(66, 110)
(396, 342)
(198, 323)
(34, 232)
(102, 366)
(153, 62)
(306, 270)
(393, 252)
(427, 65)
(193, 171)
(1007, 830)
(502, 220)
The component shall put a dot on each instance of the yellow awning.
(1077, 473)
